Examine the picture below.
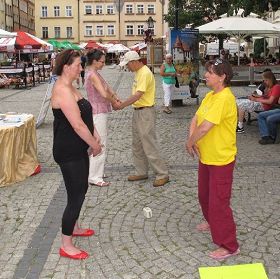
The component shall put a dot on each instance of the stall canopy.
(63, 45)
(93, 45)
(239, 27)
(21, 42)
(117, 48)
(6, 34)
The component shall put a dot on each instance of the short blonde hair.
(168, 55)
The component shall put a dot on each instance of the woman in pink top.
(101, 98)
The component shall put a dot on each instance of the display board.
(46, 102)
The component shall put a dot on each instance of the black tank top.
(67, 144)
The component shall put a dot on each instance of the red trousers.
(214, 192)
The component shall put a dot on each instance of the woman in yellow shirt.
(212, 137)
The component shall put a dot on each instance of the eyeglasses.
(218, 61)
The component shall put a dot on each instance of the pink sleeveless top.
(99, 104)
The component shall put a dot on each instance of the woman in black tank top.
(74, 139)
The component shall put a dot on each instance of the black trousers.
(75, 175)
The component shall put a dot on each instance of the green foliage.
(198, 12)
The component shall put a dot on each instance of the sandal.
(203, 227)
(167, 110)
(222, 253)
(101, 184)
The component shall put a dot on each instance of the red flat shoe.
(87, 232)
(81, 256)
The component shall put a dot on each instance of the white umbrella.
(118, 48)
(239, 27)
(6, 34)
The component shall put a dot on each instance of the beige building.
(102, 21)
(17, 15)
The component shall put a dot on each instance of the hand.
(95, 150)
(117, 105)
(192, 149)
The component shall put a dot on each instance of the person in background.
(267, 121)
(74, 140)
(212, 137)
(259, 103)
(144, 142)
(168, 73)
(101, 98)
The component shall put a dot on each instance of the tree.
(198, 12)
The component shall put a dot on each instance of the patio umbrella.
(239, 27)
(93, 45)
(118, 48)
(6, 34)
(55, 43)
(21, 42)
(45, 45)
(69, 45)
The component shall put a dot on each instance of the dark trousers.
(214, 192)
(75, 175)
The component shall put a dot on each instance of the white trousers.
(167, 89)
(96, 164)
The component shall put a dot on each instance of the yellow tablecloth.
(18, 151)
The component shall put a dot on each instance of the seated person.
(260, 91)
(259, 103)
(4, 80)
(267, 121)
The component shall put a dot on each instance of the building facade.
(103, 21)
(17, 15)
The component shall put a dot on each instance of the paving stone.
(127, 245)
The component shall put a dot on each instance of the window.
(129, 30)
(99, 30)
(140, 9)
(57, 32)
(88, 9)
(68, 10)
(111, 30)
(129, 9)
(110, 9)
(88, 30)
(151, 9)
(44, 11)
(45, 32)
(140, 29)
(99, 9)
(56, 11)
(69, 32)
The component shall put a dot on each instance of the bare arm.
(197, 134)
(261, 100)
(132, 99)
(103, 91)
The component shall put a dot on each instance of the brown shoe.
(137, 177)
(161, 182)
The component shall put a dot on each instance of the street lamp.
(148, 32)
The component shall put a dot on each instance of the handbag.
(177, 85)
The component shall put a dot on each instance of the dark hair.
(66, 57)
(219, 67)
(269, 75)
(94, 54)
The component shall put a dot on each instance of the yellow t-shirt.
(218, 146)
(144, 81)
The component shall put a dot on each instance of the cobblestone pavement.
(127, 245)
